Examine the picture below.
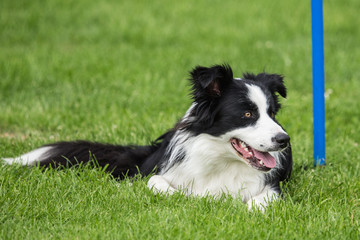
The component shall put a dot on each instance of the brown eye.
(272, 115)
(248, 114)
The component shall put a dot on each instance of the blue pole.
(317, 32)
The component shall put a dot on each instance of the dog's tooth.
(242, 144)
(246, 149)
(261, 162)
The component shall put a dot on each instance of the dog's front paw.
(261, 201)
(158, 184)
(257, 205)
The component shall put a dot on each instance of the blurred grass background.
(115, 71)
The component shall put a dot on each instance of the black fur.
(120, 161)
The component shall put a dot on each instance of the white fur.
(179, 138)
(262, 200)
(160, 185)
(211, 165)
(188, 112)
(30, 158)
(173, 150)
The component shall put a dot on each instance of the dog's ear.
(210, 82)
(273, 82)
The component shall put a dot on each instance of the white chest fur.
(210, 167)
(235, 179)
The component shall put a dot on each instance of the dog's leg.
(262, 200)
(159, 184)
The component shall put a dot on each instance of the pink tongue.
(266, 158)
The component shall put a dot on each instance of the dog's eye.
(248, 114)
(272, 115)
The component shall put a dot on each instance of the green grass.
(115, 71)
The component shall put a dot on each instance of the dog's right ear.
(210, 82)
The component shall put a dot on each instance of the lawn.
(116, 71)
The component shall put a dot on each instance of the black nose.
(282, 139)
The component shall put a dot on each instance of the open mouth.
(261, 161)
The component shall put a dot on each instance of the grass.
(115, 71)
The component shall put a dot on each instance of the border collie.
(228, 142)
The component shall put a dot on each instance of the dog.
(228, 142)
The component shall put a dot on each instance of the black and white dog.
(228, 142)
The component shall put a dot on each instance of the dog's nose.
(282, 139)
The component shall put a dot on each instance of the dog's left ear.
(210, 82)
(273, 82)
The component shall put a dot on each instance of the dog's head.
(241, 112)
